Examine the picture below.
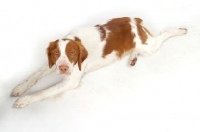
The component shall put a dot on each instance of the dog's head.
(65, 54)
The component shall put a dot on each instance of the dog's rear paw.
(132, 62)
(182, 31)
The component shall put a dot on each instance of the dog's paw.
(23, 102)
(182, 31)
(133, 61)
(20, 89)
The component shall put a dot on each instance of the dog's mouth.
(64, 73)
(68, 73)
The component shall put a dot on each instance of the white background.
(161, 93)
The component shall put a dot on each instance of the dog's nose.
(63, 68)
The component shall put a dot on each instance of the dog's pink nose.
(63, 68)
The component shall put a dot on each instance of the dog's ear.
(51, 57)
(76, 52)
(50, 61)
(82, 54)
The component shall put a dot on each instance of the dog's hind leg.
(154, 43)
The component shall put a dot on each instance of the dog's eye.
(71, 52)
(56, 53)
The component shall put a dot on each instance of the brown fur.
(147, 31)
(53, 53)
(120, 38)
(76, 52)
(102, 31)
(141, 30)
(77, 39)
(65, 39)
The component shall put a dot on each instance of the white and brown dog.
(90, 48)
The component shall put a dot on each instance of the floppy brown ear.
(52, 45)
(49, 57)
(82, 55)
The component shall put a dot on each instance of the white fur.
(63, 57)
(91, 40)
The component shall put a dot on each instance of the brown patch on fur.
(138, 21)
(102, 31)
(120, 38)
(64, 39)
(147, 31)
(76, 52)
(141, 31)
(53, 53)
(77, 39)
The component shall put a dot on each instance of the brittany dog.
(90, 48)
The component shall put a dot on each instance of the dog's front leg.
(43, 71)
(56, 89)
(68, 83)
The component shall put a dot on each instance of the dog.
(89, 48)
